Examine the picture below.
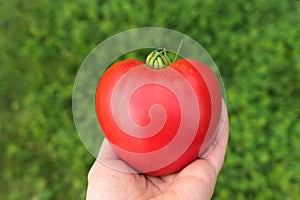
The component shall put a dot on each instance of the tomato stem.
(158, 59)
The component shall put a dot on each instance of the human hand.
(195, 181)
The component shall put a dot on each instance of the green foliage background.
(255, 44)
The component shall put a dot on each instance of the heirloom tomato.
(159, 116)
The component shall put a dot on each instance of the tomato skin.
(103, 100)
(137, 151)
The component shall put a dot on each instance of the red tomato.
(157, 119)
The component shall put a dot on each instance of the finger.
(110, 159)
(217, 154)
(196, 181)
(106, 152)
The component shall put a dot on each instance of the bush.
(255, 44)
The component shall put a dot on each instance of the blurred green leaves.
(255, 44)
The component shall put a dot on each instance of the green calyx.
(158, 59)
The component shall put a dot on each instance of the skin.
(195, 181)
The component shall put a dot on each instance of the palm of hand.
(195, 181)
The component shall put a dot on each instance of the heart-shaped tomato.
(159, 118)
